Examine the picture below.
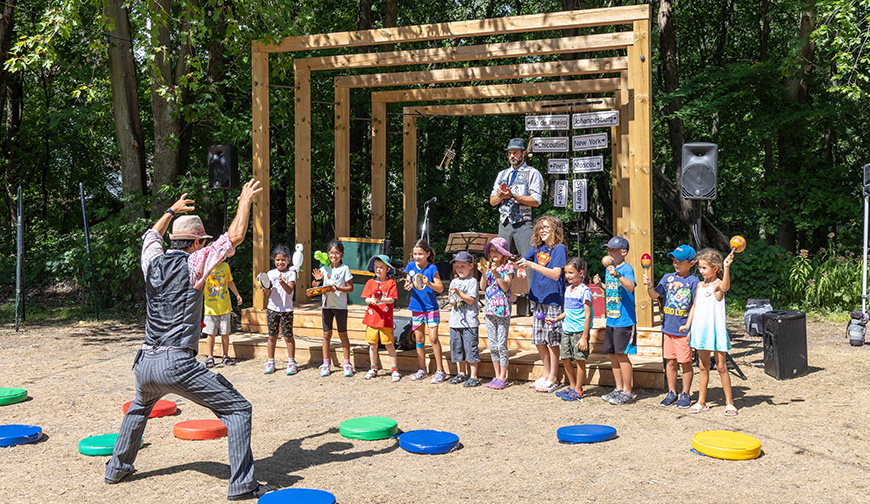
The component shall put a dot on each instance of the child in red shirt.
(380, 293)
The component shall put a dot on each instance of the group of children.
(560, 301)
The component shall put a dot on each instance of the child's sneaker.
(685, 401)
(607, 397)
(292, 368)
(396, 376)
(270, 367)
(622, 398)
(439, 377)
(669, 399)
(568, 394)
(371, 374)
(324, 370)
(472, 382)
(419, 375)
(348, 370)
(457, 379)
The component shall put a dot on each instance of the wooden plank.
(535, 48)
(379, 168)
(260, 169)
(499, 91)
(409, 183)
(456, 29)
(520, 71)
(342, 161)
(302, 175)
(504, 108)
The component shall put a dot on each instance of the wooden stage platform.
(524, 362)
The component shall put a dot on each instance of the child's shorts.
(340, 317)
(463, 344)
(374, 335)
(429, 318)
(620, 340)
(280, 320)
(542, 332)
(677, 347)
(569, 349)
(216, 324)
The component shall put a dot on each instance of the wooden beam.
(461, 29)
(409, 184)
(379, 169)
(535, 48)
(521, 71)
(260, 168)
(499, 91)
(342, 161)
(302, 175)
(504, 108)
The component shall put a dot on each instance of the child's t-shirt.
(380, 314)
(279, 300)
(464, 315)
(497, 300)
(422, 300)
(575, 310)
(619, 302)
(217, 291)
(679, 295)
(542, 289)
(338, 277)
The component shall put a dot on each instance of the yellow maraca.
(738, 244)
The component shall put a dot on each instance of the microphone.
(431, 200)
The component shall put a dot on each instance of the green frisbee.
(369, 428)
(12, 395)
(100, 445)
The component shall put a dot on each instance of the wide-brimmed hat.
(462, 256)
(386, 260)
(188, 227)
(516, 143)
(500, 244)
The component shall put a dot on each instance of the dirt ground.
(78, 376)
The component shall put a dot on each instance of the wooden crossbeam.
(506, 108)
(456, 29)
(498, 91)
(539, 47)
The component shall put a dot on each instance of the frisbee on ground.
(263, 279)
(586, 433)
(103, 444)
(11, 435)
(297, 495)
(369, 428)
(428, 442)
(726, 445)
(161, 409)
(12, 395)
(200, 429)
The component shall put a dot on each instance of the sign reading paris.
(595, 119)
(547, 122)
(557, 165)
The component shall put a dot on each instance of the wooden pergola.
(631, 142)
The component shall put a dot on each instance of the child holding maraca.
(380, 293)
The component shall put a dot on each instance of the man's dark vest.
(174, 305)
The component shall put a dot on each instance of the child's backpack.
(402, 334)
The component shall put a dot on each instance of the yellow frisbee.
(726, 445)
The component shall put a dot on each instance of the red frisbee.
(200, 429)
(161, 409)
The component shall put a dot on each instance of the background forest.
(125, 98)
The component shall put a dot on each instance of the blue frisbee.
(11, 435)
(587, 433)
(428, 442)
(297, 496)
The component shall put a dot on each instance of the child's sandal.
(209, 363)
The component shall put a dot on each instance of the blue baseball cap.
(683, 253)
(617, 242)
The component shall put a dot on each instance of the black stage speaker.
(867, 180)
(785, 344)
(700, 165)
(223, 167)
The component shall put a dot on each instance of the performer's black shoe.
(110, 481)
(256, 493)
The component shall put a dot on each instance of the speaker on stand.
(223, 170)
(700, 165)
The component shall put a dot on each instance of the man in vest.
(166, 363)
(516, 191)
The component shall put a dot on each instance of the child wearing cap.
(464, 324)
(495, 280)
(620, 335)
(380, 293)
(678, 288)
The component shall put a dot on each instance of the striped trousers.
(176, 371)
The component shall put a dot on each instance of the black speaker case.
(785, 344)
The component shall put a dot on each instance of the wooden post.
(409, 184)
(379, 169)
(342, 161)
(302, 176)
(260, 160)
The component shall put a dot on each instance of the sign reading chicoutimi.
(547, 122)
(557, 165)
(595, 119)
(589, 142)
(550, 144)
(588, 164)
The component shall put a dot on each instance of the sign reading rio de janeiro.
(547, 122)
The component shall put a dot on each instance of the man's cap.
(500, 244)
(188, 227)
(386, 260)
(617, 242)
(516, 143)
(683, 253)
(462, 256)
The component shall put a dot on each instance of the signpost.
(589, 142)
(547, 122)
(557, 165)
(580, 203)
(590, 164)
(550, 144)
(560, 198)
(595, 119)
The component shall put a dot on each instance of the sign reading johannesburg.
(595, 119)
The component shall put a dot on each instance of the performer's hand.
(183, 205)
(249, 190)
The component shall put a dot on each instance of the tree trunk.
(10, 174)
(391, 17)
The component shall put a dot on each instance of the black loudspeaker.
(700, 166)
(785, 344)
(867, 180)
(223, 167)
